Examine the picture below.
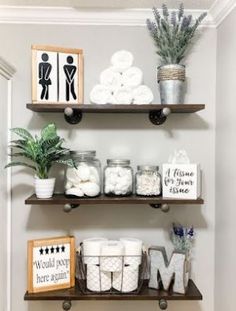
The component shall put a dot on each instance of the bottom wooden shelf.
(146, 293)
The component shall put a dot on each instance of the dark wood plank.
(60, 199)
(146, 293)
(185, 108)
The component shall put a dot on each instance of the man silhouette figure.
(45, 69)
(70, 71)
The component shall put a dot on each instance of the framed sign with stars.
(51, 264)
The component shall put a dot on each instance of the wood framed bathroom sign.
(51, 264)
(57, 75)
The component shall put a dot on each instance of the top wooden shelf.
(73, 112)
(90, 108)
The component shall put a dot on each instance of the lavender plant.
(182, 238)
(173, 33)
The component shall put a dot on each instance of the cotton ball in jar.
(118, 180)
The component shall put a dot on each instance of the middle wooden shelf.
(61, 199)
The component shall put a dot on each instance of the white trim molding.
(7, 71)
(220, 10)
(112, 17)
(76, 16)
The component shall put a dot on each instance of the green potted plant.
(39, 154)
(173, 33)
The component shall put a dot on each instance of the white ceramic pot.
(44, 187)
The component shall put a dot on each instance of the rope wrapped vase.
(171, 79)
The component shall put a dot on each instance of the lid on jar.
(147, 168)
(118, 162)
(86, 153)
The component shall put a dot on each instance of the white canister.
(112, 256)
(85, 179)
(148, 180)
(118, 178)
(92, 250)
(44, 188)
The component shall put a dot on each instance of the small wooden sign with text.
(181, 181)
(51, 264)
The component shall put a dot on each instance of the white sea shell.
(83, 172)
(75, 191)
(68, 185)
(71, 175)
(90, 189)
(94, 175)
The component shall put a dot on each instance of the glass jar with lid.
(118, 178)
(148, 181)
(85, 179)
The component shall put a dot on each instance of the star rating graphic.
(52, 250)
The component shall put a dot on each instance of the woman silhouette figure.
(45, 69)
(70, 71)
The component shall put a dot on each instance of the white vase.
(44, 187)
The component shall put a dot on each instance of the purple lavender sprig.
(173, 33)
(182, 237)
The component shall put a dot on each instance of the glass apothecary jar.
(118, 178)
(85, 179)
(148, 181)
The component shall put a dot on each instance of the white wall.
(225, 271)
(131, 136)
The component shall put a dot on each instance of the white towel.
(122, 60)
(111, 78)
(123, 96)
(101, 95)
(132, 77)
(142, 95)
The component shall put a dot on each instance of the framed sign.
(57, 75)
(181, 181)
(51, 264)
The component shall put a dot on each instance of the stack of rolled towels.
(112, 264)
(121, 83)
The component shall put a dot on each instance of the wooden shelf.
(60, 199)
(74, 293)
(185, 108)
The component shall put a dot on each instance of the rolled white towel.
(142, 95)
(111, 78)
(101, 95)
(122, 60)
(123, 96)
(132, 77)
